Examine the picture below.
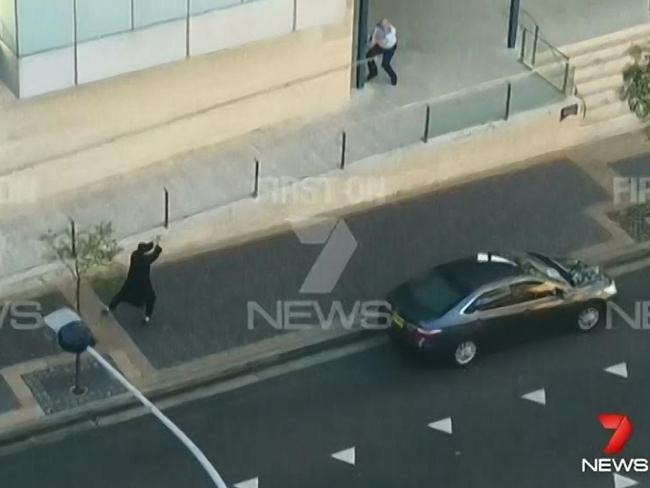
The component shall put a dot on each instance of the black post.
(256, 188)
(362, 41)
(77, 389)
(535, 44)
(344, 143)
(508, 98)
(166, 208)
(513, 23)
(426, 124)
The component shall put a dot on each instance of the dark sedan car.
(455, 308)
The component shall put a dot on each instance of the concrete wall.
(255, 21)
(113, 55)
(44, 72)
(225, 28)
(71, 138)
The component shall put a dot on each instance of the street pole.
(513, 23)
(77, 389)
(187, 442)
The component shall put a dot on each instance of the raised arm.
(153, 255)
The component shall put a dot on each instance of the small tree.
(82, 252)
(636, 83)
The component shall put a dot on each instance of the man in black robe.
(137, 289)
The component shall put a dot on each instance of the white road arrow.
(444, 425)
(623, 482)
(347, 456)
(254, 483)
(537, 396)
(618, 370)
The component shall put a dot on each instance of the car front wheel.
(465, 352)
(590, 316)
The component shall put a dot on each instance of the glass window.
(499, 297)
(149, 12)
(99, 18)
(529, 291)
(8, 24)
(44, 25)
(202, 6)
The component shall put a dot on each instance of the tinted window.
(435, 293)
(529, 291)
(499, 297)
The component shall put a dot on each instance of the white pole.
(196, 452)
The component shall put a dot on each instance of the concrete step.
(607, 112)
(611, 82)
(601, 98)
(631, 35)
(611, 127)
(601, 56)
(602, 70)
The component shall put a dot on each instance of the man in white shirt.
(383, 42)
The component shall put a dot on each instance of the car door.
(495, 313)
(545, 306)
(542, 308)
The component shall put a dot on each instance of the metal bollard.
(166, 208)
(344, 143)
(426, 124)
(256, 187)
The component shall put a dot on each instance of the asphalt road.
(203, 301)
(284, 430)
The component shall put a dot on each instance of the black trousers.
(149, 302)
(387, 56)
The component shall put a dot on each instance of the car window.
(530, 291)
(512, 295)
(499, 297)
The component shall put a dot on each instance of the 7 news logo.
(622, 430)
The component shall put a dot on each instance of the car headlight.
(611, 288)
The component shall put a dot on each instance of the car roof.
(470, 274)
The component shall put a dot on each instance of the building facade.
(58, 44)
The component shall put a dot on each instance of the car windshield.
(435, 293)
(542, 267)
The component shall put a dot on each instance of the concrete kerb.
(203, 373)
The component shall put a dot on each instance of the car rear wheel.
(465, 352)
(590, 316)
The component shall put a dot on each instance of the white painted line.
(537, 396)
(444, 425)
(155, 411)
(254, 483)
(623, 482)
(618, 370)
(347, 456)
